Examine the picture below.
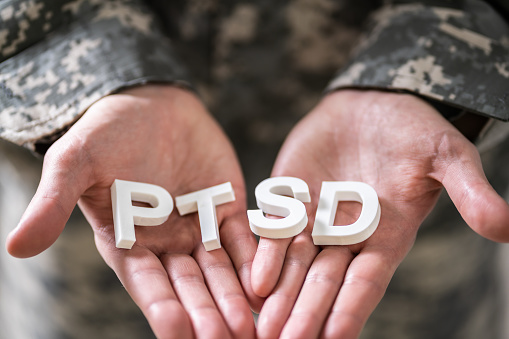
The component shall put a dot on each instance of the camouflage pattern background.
(259, 66)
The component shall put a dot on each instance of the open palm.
(404, 149)
(160, 135)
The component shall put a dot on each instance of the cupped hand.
(408, 152)
(160, 135)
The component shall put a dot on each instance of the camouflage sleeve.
(454, 53)
(57, 57)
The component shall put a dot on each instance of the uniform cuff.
(453, 57)
(47, 86)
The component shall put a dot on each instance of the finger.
(63, 180)
(318, 293)
(147, 282)
(240, 244)
(187, 279)
(267, 264)
(364, 285)
(225, 288)
(279, 304)
(478, 203)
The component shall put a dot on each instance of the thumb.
(44, 219)
(486, 212)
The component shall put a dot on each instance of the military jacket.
(258, 60)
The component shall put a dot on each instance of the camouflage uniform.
(259, 66)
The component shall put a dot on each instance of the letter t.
(205, 202)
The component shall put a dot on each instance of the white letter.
(125, 215)
(269, 198)
(324, 233)
(205, 202)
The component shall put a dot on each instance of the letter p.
(125, 215)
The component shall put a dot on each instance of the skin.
(161, 135)
(314, 291)
(408, 152)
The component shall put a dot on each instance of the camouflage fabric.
(457, 55)
(259, 66)
(88, 48)
(59, 57)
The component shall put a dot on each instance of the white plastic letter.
(271, 199)
(205, 202)
(324, 233)
(125, 215)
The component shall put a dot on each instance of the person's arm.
(161, 135)
(80, 78)
(398, 143)
(59, 57)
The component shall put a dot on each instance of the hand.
(164, 136)
(407, 151)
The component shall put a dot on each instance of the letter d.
(324, 233)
